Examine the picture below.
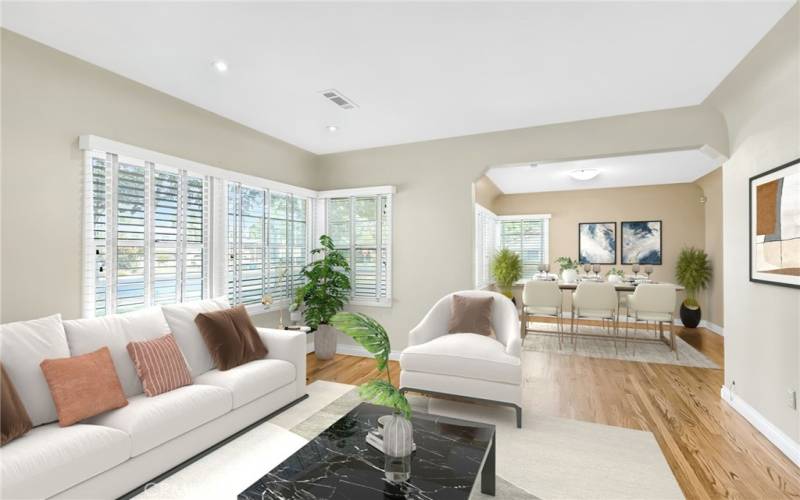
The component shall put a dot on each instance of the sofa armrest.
(514, 347)
(289, 346)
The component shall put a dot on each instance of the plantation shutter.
(527, 236)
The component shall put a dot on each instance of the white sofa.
(111, 454)
(466, 364)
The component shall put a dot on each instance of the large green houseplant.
(506, 268)
(325, 293)
(693, 272)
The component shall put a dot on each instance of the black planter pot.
(690, 317)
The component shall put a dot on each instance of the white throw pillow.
(181, 322)
(116, 331)
(23, 346)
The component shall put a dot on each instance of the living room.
(171, 173)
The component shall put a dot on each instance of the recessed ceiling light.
(584, 174)
(332, 128)
(220, 65)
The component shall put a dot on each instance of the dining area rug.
(543, 337)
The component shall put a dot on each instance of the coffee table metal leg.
(488, 472)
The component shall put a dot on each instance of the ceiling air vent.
(338, 99)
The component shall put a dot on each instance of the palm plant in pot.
(693, 272)
(398, 440)
(325, 293)
(506, 268)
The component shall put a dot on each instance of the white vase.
(398, 443)
(614, 278)
(569, 275)
(325, 342)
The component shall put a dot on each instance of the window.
(159, 229)
(360, 226)
(527, 236)
(148, 235)
(267, 244)
(485, 246)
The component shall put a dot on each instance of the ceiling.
(416, 70)
(617, 171)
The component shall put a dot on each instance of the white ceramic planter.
(614, 278)
(569, 276)
(325, 342)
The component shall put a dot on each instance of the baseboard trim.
(711, 327)
(787, 445)
(357, 350)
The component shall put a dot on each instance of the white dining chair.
(656, 303)
(543, 298)
(598, 301)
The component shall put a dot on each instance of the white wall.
(49, 99)
(433, 207)
(760, 100)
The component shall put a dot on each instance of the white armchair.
(466, 364)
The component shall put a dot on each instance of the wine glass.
(596, 269)
(587, 268)
(636, 269)
(540, 268)
(648, 270)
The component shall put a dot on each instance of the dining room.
(592, 229)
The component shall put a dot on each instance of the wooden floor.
(712, 450)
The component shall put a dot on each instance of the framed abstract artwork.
(775, 226)
(641, 242)
(597, 242)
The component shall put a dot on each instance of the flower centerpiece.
(569, 269)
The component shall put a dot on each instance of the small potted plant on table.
(569, 269)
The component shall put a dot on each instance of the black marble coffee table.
(339, 464)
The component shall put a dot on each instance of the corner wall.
(714, 303)
(760, 101)
(50, 98)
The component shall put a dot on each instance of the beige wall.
(433, 214)
(713, 306)
(49, 99)
(486, 192)
(760, 100)
(676, 205)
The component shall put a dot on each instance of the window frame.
(522, 219)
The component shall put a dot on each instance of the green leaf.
(367, 332)
(693, 271)
(506, 267)
(383, 393)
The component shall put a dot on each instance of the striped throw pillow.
(160, 365)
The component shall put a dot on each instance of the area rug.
(548, 458)
(545, 339)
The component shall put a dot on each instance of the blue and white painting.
(641, 242)
(597, 242)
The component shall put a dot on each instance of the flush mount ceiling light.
(220, 65)
(584, 174)
(332, 128)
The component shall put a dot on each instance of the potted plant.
(569, 269)
(615, 275)
(397, 432)
(693, 272)
(326, 291)
(506, 269)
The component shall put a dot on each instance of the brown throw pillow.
(230, 337)
(83, 386)
(159, 365)
(471, 315)
(14, 419)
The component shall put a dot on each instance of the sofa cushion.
(471, 315)
(231, 337)
(464, 355)
(25, 344)
(14, 418)
(159, 365)
(83, 386)
(251, 380)
(50, 459)
(181, 322)
(115, 332)
(153, 421)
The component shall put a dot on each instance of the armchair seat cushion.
(543, 310)
(466, 355)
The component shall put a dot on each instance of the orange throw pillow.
(83, 386)
(159, 364)
(14, 419)
(230, 337)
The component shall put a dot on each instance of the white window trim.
(479, 246)
(546, 243)
(217, 217)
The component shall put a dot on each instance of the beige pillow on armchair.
(471, 315)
